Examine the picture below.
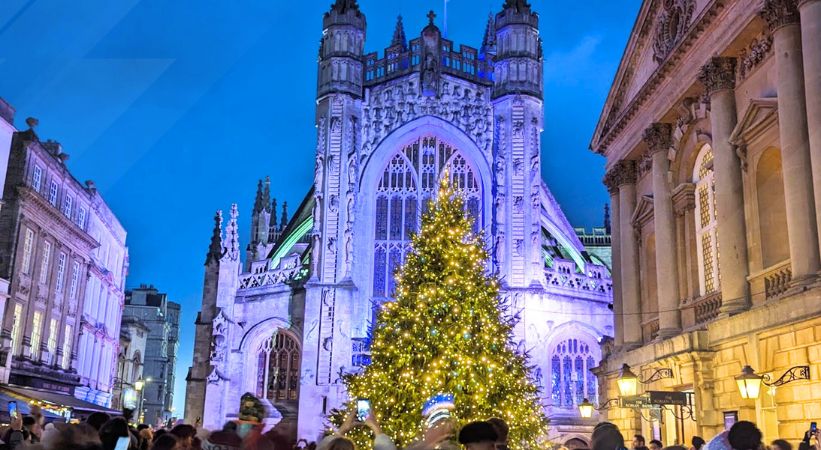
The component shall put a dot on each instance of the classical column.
(811, 43)
(659, 139)
(718, 77)
(615, 271)
(684, 204)
(782, 19)
(625, 173)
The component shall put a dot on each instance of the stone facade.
(6, 134)
(709, 152)
(130, 364)
(103, 304)
(151, 308)
(47, 252)
(294, 321)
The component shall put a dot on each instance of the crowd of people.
(742, 435)
(102, 432)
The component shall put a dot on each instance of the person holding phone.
(338, 440)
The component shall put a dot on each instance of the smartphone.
(813, 425)
(363, 409)
(122, 443)
(13, 410)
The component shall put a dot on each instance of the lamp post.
(139, 385)
(749, 382)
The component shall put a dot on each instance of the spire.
(399, 34)
(489, 41)
(284, 221)
(232, 234)
(258, 204)
(215, 249)
(266, 192)
(274, 213)
(519, 5)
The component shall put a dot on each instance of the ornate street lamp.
(628, 381)
(586, 408)
(749, 382)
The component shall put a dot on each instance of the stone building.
(103, 304)
(712, 134)
(6, 133)
(130, 363)
(152, 308)
(47, 253)
(298, 315)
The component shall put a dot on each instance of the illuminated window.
(52, 337)
(706, 223)
(27, 247)
(44, 262)
(75, 278)
(66, 363)
(409, 181)
(61, 270)
(278, 368)
(571, 378)
(15, 326)
(52, 193)
(36, 334)
(37, 178)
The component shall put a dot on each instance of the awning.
(55, 399)
(23, 407)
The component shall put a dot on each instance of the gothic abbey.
(295, 317)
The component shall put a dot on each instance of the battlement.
(466, 63)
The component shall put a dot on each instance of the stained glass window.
(706, 222)
(571, 378)
(409, 181)
(278, 367)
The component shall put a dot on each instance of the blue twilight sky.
(176, 108)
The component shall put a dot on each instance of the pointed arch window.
(278, 365)
(571, 378)
(706, 222)
(410, 180)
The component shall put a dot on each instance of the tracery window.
(278, 366)
(706, 223)
(409, 182)
(571, 378)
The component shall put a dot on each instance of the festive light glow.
(446, 332)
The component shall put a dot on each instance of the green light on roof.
(288, 243)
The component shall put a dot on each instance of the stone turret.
(518, 67)
(341, 49)
(517, 99)
(222, 264)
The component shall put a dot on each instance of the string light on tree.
(446, 333)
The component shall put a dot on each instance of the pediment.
(643, 213)
(658, 37)
(760, 115)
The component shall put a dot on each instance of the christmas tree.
(446, 332)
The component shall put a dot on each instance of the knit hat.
(477, 432)
(606, 436)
